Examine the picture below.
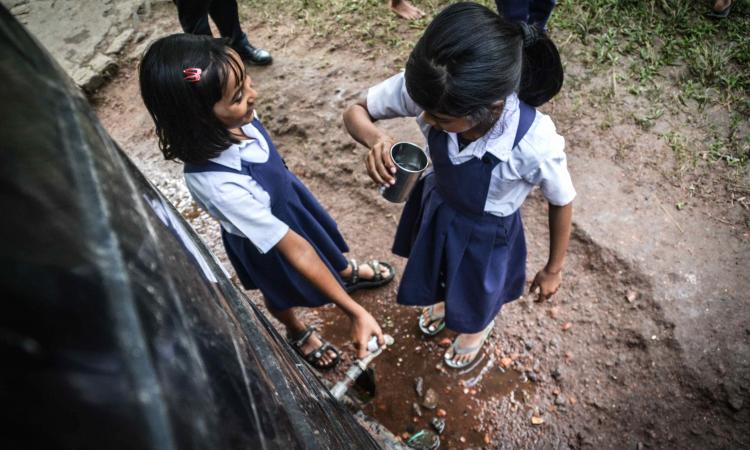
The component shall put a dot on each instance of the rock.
(487, 439)
(424, 440)
(419, 386)
(441, 412)
(631, 296)
(444, 343)
(430, 399)
(405, 435)
(119, 42)
(560, 400)
(506, 362)
(417, 410)
(528, 344)
(556, 374)
(532, 376)
(438, 424)
(567, 326)
(735, 402)
(554, 312)
(462, 439)
(536, 420)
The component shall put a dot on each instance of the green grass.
(639, 46)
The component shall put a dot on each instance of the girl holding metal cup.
(473, 81)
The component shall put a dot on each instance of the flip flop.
(463, 351)
(313, 358)
(424, 324)
(354, 282)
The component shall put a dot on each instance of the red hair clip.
(192, 74)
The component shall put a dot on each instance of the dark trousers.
(530, 11)
(193, 15)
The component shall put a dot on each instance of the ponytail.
(469, 57)
(542, 74)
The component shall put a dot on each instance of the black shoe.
(252, 55)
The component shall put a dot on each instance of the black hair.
(469, 57)
(182, 110)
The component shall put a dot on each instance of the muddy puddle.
(413, 366)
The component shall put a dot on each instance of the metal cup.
(410, 161)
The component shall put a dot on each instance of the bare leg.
(405, 9)
(296, 326)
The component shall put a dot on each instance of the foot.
(250, 54)
(313, 343)
(433, 319)
(365, 271)
(721, 5)
(368, 275)
(466, 347)
(314, 350)
(406, 10)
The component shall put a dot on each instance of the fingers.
(382, 167)
(381, 338)
(371, 169)
(361, 346)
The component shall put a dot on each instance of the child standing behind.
(277, 236)
(472, 80)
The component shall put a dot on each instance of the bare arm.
(548, 279)
(303, 257)
(361, 127)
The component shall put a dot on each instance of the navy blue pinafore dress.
(473, 260)
(291, 202)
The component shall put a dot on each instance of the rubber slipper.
(314, 357)
(424, 324)
(354, 282)
(456, 350)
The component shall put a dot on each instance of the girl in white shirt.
(472, 80)
(277, 236)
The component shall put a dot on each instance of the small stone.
(405, 436)
(487, 439)
(560, 400)
(462, 439)
(532, 376)
(438, 425)
(417, 410)
(441, 412)
(419, 386)
(536, 420)
(567, 326)
(554, 312)
(528, 344)
(556, 374)
(444, 343)
(430, 399)
(631, 296)
(572, 400)
(735, 402)
(506, 362)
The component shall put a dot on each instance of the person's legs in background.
(533, 12)
(193, 16)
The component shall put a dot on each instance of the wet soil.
(598, 366)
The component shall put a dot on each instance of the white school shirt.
(538, 159)
(237, 201)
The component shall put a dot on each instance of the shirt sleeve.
(252, 217)
(551, 174)
(389, 99)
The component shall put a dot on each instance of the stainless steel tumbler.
(410, 162)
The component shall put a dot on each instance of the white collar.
(232, 156)
(499, 140)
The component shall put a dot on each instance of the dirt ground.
(638, 350)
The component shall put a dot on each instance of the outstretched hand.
(364, 326)
(547, 283)
(380, 166)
